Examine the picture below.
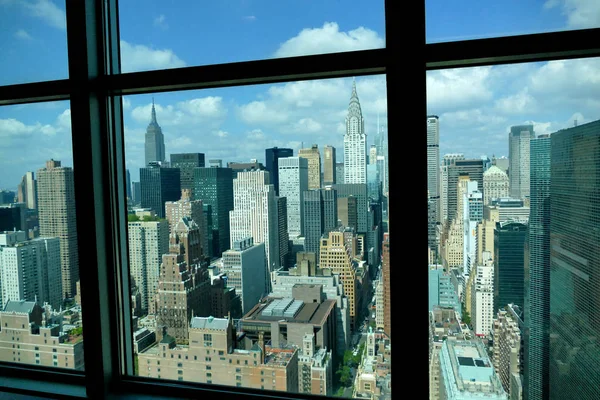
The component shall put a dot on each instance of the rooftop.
(209, 323)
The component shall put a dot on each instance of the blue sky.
(476, 106)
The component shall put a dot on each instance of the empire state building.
(155, 141)
(355, 143)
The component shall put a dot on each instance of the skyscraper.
(158, 185)
(193, 209)
(509, 263)
(355, 143)
(433, 164)
(186, 162)
(313, 156)
(359, 191)
(272, 156)
(329, 165)
(255, 215)
(128, 184)
(320, 217)
(575, 263)
(495, 184)
(155, 141)
(27, 191)
(473, 168)
(214, 186)
(56, 210)
(339, 172)
(537, 273)
(518, 155)
(293, 182)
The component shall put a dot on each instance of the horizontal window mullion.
(35, 92)
(321, 66)
(513, 49)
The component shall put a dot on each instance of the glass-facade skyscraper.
(509, 264)
(159, 185)
(272, 156)
(537, 273)
(575, 263)
(186, 162)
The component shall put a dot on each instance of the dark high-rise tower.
(537, 273)
(214, 186)
(186, 162)
(320, 216)
(155, 141)
(159, 185)
(272, 157)
(509, 263)
(575, 263)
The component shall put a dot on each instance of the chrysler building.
(355, 143)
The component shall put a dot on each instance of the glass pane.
(257, 220)
(33, 34)
(40, 315)
(513, 157)
(450, 20)
(189, 33)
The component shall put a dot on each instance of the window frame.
(94, 88)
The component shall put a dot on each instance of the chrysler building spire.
(355, 142)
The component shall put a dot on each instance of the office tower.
(509, 263)
(348, 212)
(7, 196)
(508, 350)
(509, 209)
(237, 167)
(467, 372)
(441, 290)
(501, 162)
(314, 368)
(279, 366)
(192, 209)
(254, 215)
(385, 276)
(184, 288)
(246, 268)
(306, 272)
(293, 182)
(27, 191)
(56, 212)
(339, 172)
(433, 163)
(449, 159)
(313, 156)
(454, 244)
(272, 156)
(355, 143)
(158, 185)
(155, 141)
(320, 217)
(136, 192)
(495, 184)
(374, 186)
(38, 340)
(214, 186)
(482, 296)
(518, 155)
(537, 276)
(372, 155)
(223, 299)
(473, 215)
(215, 163)
(186, 162)
(574, 263)
(127, 184)
(359, 191)
(148, 241)
(474, 169)
(13, 216)
(284, 238)
(329, 166)
(30, 269)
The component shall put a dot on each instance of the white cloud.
(48, 11)
(579, 13)
(12, 127)
(329, 39)
(307, 125)
(519, 103)
(64, 119)
(257, 112)
(207, 111)
(249, 18)
(179, 143)
(454, 89)
(126, 103)
(160, 22)
(256, 134)
(207, 107)
(137, 57)
(22, 34)
(221, 134)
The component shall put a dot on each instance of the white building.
(246, 270)
(495, 184)
(482, 297)
(355, 143)
(30, 270)
(148, 241)
(293, 181)
(255, 214)
(518, 155)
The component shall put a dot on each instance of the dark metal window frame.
(94, 89)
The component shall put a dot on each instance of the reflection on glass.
(243, 31)
(253, 230)
(40, 315)
(513, 160)
(33, 34)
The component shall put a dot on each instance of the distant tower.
(293, 181)
(355, 142)
(433, 164)
(314, 165)
(272, 156)
(518, 155)
(56, 210)
(329, 165)
(155, 141)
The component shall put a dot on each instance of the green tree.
(466, 318)
(132, 218)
